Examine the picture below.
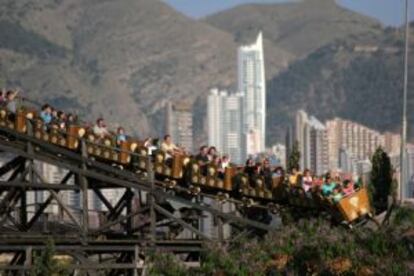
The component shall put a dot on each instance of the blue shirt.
(121, 138)
(46, 117)
(327, 188)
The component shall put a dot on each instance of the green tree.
(381, 179)
(45, 265)
(294, 157)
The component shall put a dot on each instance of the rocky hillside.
(299, 27)
(124, 59)
(359, 79)
(121, 59)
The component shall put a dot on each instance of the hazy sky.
(389, 12)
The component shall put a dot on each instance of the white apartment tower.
(225, 125)
(252, 84)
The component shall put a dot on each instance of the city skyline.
(339, 144)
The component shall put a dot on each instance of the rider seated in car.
(169, 148)
(202, 158)
(328, 186)
(307, 181)
(46, 115)
(348, 188)
(100, 130)
(336, 195)
(266, 172)
(11, 104)
(120, 136)
(294, 177)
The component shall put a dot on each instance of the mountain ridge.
(124, 59)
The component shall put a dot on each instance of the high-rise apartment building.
(318, 147)
(179, 124)
(312, 138)
(301, 136)
(339, 144)
(225, 123)
(410, 171)
(360, 141)
(392, 143)
(252, 84)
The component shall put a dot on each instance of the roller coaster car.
(209, 177)
(171, 168)
(68, 139)
(354, 206)
(141, 159)
(102, 148)
(217, 180)
(20, 119)
(22, 116)
(298, 197)
(255, 188)
(57, 136)
(278, 188)
(126, 148)
(74, 133)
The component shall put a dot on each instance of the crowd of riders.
(330, 186)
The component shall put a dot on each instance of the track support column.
(84, 188)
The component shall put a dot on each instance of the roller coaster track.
(129, 229)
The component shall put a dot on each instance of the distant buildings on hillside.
(339, 144)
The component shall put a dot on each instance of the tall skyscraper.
(225, 124)
(252, 84)
(179, 124)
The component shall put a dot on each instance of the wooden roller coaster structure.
(136, 223)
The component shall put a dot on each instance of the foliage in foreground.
(381, 179)
(310, 248)
(44, 263)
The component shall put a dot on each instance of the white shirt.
(100, 131)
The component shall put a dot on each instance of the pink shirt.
(307, 183)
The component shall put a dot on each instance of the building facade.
(252, 84)
(359, 140)
(339, 144)
(312, 138)
(410, 171)
(225, 124)
(318, 147)
(179, 124)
